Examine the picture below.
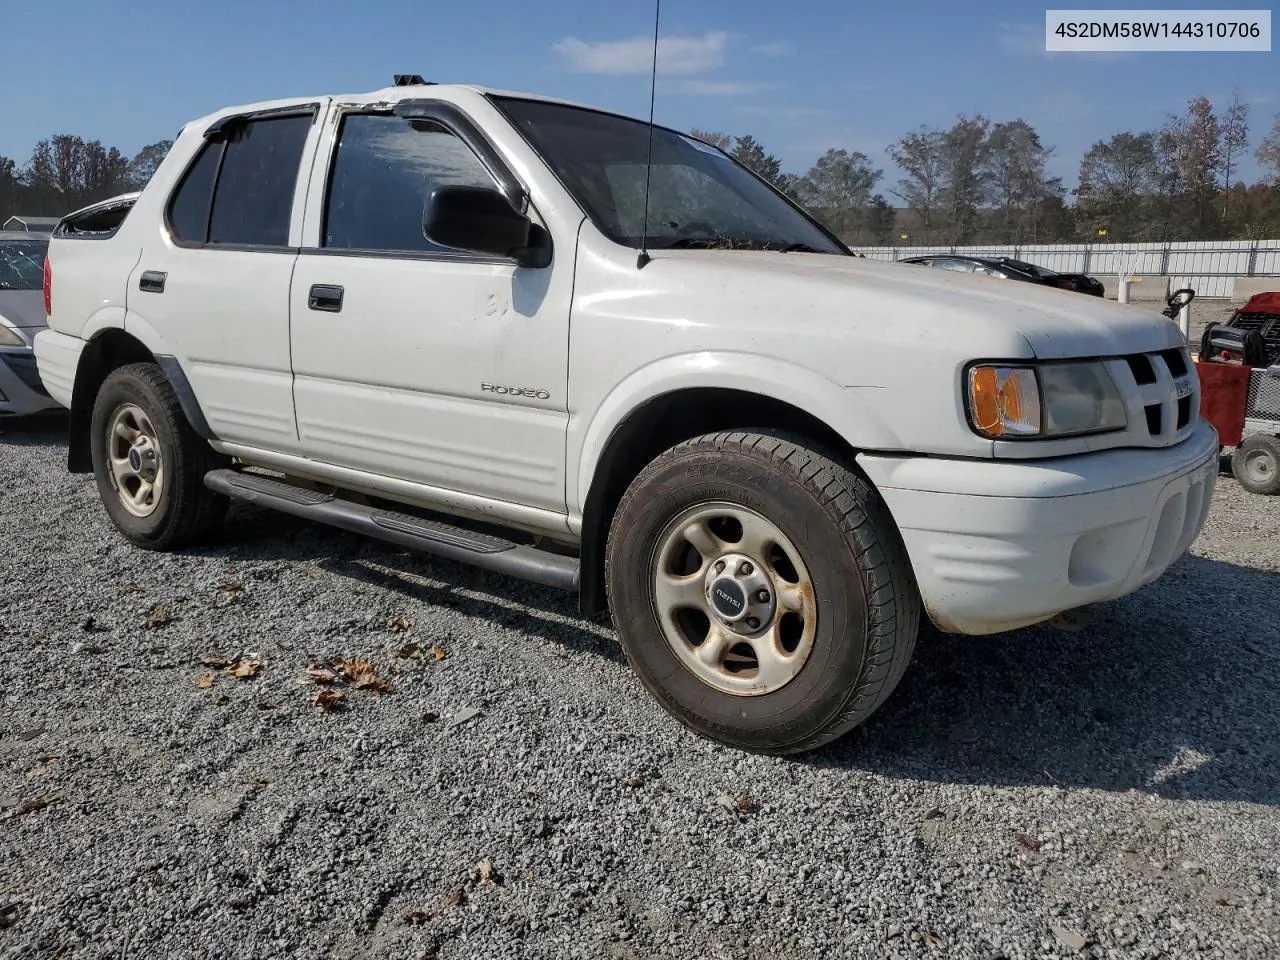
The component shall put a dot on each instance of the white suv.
(446, 317)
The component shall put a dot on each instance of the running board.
(405, 530)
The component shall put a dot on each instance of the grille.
(1268, 325)
(1158, 378)
(1264, 396)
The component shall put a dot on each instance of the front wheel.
(1256, 464)
(761, 591)
(150, 464)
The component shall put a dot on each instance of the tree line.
(985, 182)
(977, 181)
(66, 172)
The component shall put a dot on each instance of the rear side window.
(385, 171)
(240, 189)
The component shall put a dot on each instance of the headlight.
(9, 337)
(1049, 400)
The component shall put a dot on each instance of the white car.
(446, 316)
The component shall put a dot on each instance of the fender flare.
(839, 407)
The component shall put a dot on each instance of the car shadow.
(36, 430)
(254, 534)
(1171, 691)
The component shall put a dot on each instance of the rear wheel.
(150, 464)
(761, 591)
(1256, 464)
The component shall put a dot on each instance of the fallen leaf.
(399, 625)
(205, 681)
(158, 617)
(244, 669)
(1069, 938)
(438, 652)
(743, 803)
(322, 675)
(1031, 843)
(215, 662)
(228, 591)
(31, 806)
(487, 874)
(363, 675)
(410, 651)
(416, 918)
(457, 898)
(327, 699)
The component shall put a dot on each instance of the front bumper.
(20, 390)
(997, 545)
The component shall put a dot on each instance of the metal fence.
(1210, 267)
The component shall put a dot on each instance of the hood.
(24, 309)
(993, 317)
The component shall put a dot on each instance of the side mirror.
(482, 220)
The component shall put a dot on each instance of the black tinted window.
(189, 209)
(383, 175)
(254, 196)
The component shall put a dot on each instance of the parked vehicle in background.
(22, 316)
(433, 315)
(1005, 268)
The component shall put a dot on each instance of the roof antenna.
(644, 258)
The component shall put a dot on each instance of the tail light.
(48, 287)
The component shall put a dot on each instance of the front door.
(416, 361)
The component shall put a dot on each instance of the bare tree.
(1015, 170)
(1268, 153)
(920, 156)
(964, 159)
(1235, 138)
(838, 190)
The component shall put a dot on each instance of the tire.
(1256, 464)
(852, 629)
(183, 512)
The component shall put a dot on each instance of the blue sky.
(801, 77)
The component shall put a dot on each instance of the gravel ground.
(1112, 793)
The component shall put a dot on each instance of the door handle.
(152, 281)
(325, 296)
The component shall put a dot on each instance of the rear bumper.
(20, 390)
(58, 357)
(997, 545)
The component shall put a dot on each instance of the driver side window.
(385, 171)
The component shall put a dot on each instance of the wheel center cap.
(729, 599)
(740, 594)
(135, 459)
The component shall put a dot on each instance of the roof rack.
(411, 80)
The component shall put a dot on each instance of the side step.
(405, 530)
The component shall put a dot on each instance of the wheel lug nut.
(752, 623)
(745, 570)
(763, 596)
(719, 566)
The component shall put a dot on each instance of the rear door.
(215, 285)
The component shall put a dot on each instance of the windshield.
(698, 197)
(22, 264)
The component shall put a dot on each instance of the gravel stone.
(154, 818)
